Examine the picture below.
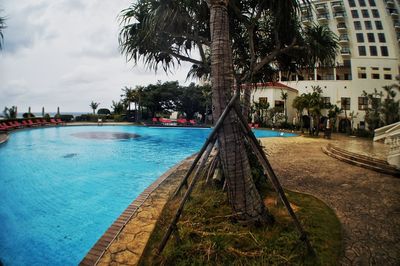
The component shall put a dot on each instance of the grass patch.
(209, 235)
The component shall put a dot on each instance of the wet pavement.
(366, 202)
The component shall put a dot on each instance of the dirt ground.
(366, 202)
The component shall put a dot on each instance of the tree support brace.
(207, 147)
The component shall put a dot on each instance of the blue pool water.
(61, 188)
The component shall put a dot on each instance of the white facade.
(369, 56)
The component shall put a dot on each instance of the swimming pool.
(62, 187)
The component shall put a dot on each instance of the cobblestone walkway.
(366, 202)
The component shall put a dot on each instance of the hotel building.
(368, 57)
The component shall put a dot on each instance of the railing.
(393, 140)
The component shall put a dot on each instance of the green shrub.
(103, 111)
(66, 118)
(28, 115)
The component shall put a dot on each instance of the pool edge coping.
(96, 252)
(6, 138)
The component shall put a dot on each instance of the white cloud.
(65, 53)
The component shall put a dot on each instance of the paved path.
(366, 202)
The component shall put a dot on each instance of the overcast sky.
(65, 53)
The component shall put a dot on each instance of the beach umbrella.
(42, 111)
(58, 111)
(29, 110)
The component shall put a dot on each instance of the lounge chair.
(53, 122)
(7, 127)
(32, 124)
(3, 128)
(25, 123)
(11, 124)
(182, 121)
(58, 120)
(154, 120)
(42, 122)
(17, 124)
(165, 121)
(255, 125)
(192, 122)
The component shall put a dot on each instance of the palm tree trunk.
(243, 196)
(246, 103)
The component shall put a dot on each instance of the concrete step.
(354, 160)
(358, 157)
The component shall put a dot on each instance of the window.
(368, 25)
(375, 13)
(362, 51)
(354, 14)
(345, 103)
(371, 37)
(357, 25)
(384, 51)
(352, 3)
(361, 2)
(361, 73)
(372, 2)
(381, 37)
(362, 103)
(365, 13)
(387, 76)
(326, 102)
(263, 100)
(373, 51)
(360, 37)
(375, 75)
(280, 105)
(378, 25)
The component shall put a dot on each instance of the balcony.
(341, 27)
(393, 12)
(339, 16)
(337, 6)
(389, 3)
(321, 8)
(345, 52)
(323, 18)
(396, 25)
(306, 19)
(344, 39)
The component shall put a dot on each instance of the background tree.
(373, 112)
(284, 97)
(10, 113)
(94, 106)
(390, 106)
(103, 111)
(191, 100)
(118, 107)
(333, 114)
(299, 104)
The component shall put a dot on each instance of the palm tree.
(2, 27)
(94, 106)
(284, 97)
(322, 45)
(299, 104)
(164, 33)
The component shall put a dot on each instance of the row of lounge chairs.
(169, 122)
(11, 125)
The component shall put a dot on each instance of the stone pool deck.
(365, 201)
(3, 138)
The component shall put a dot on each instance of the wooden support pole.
(178, 213)
(271, 174)
(212, 135)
